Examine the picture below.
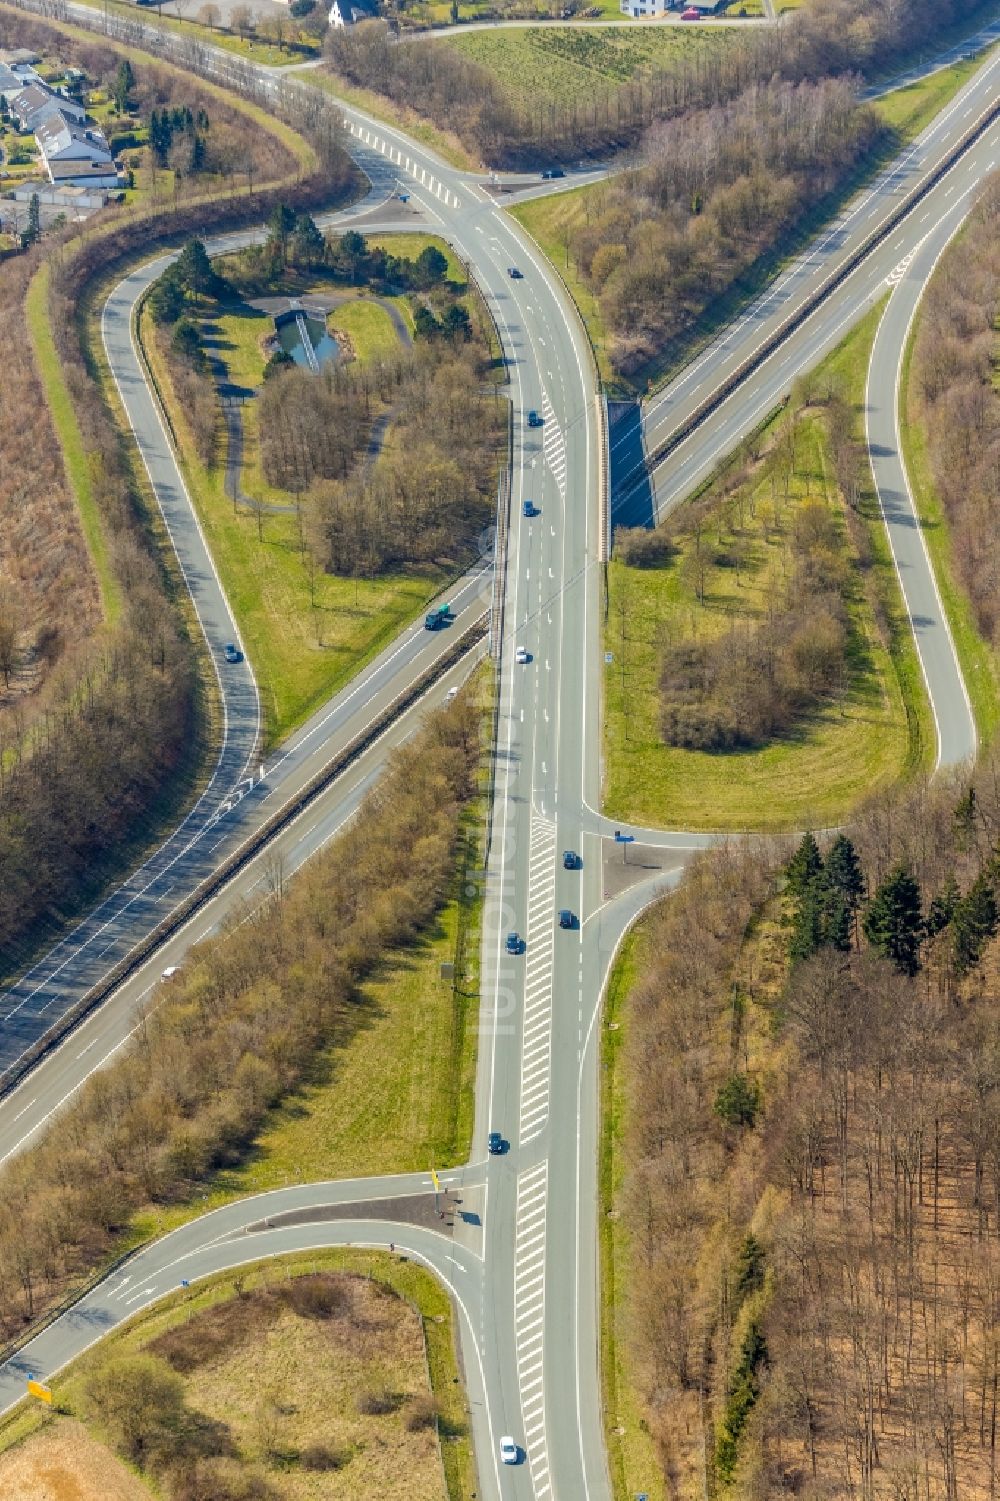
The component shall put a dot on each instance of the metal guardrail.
(836, 278)
(240, 857)
(603, 479)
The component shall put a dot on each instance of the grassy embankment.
(980, 667)
(301, 652)
(552, 220)
(303, 1389)
(877, 731)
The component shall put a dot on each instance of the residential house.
(31, 106)
(350, 12)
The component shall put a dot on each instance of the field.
(329, 1332)
(876, 731)
(566, 65)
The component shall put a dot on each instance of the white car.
(170, 971)
(509, 1454)
(522, 655)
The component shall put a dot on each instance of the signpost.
(39, 1390)
(624, 840)
(437, 1189)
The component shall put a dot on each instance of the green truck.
(438, 617)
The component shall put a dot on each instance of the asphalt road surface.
(523, 1265)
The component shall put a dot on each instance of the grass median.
(875, 730)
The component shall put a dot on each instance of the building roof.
(36, 96)
(57, 132)
(82, 171)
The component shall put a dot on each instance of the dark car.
(571, 860)
(553, 172)
(566, 918)
(534, 420)
(514, 273)
(494, 1144)
(232, 653)
(529, 508)
(513, 943)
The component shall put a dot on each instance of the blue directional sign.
(621, 838)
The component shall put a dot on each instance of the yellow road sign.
(436, 1181)
(36, 1389)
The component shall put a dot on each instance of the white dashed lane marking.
(529, 1317)
(536, 1027)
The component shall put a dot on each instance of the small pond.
(289, 330)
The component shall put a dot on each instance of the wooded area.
(240, 1026)
(718, 189)
(958, 403)
(111, 724)
(810, 1213)
(821, 38)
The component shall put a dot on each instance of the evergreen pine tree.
(893, 923)
(808, 927)
(804, 866)
(942, 907)
(974, 922)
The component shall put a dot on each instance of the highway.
(245, 787)
(665, 414)
(523, 1265)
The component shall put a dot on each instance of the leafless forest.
(958, 404)
(427, 496)
(99, 723)
(812, 1181)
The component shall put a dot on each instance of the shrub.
(379, 1402)
(322, 1457)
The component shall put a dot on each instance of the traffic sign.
(621, 838)
(37, 1389)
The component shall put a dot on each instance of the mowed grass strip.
(877, 731)
(368, 327)
(70, 438)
